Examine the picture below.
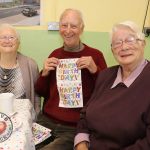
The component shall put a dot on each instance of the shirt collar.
(132, 76)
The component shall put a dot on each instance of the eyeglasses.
(10, 38)
(131, 40)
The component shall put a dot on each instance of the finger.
(52, 60)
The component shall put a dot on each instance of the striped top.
(11, 81)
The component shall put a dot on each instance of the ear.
(82, 28)
(112, 51)
(143, 43)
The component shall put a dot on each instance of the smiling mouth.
(68, 37)
(7, 45)
(126, 55)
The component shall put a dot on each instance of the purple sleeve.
(81, 137)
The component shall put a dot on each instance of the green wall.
(38, 44)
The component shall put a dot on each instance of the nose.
(68, 28)
(124, 45)
(7, 40)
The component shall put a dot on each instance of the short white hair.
(130, 24)
(73, 10)
(8, 26)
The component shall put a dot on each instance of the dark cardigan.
(118, 118)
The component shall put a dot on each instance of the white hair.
(8, 26)
(73, 10)
(130, 24)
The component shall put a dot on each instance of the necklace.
(5, 77)
(6, 73)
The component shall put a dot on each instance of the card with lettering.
(69, 84)
(40, 133)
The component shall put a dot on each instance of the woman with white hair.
(18, 73)
(117, 116)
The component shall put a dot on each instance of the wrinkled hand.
(49, 64)
(87, 62)
(82, 146)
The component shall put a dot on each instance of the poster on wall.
(20, 12)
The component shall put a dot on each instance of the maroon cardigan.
(118, 118)
(46, 86)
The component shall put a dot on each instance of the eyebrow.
(130, 35)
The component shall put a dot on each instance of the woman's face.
(126, 47)
(9, 42)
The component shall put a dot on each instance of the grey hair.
(130, 24)
(73, 10)
(8, 26)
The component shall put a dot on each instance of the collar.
(75, 48)
(131, 77)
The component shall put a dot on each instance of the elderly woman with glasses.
(117, 116)
(18, 73)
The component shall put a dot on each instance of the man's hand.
(49, 64)
(87, 62)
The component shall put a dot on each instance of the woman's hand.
(49, 64)
(82, 146)
(87, 62)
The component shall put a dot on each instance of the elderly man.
(90, 61)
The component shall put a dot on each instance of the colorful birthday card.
(40, 133)
(69, 84)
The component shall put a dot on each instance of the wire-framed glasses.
(10, 38)
(131, 40)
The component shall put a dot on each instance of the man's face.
(71, 29)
